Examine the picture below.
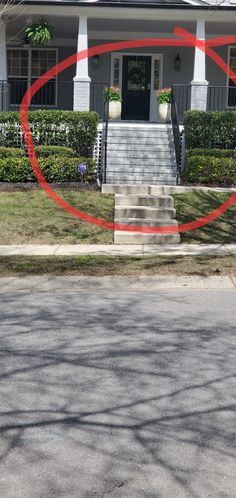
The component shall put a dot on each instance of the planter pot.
(164, 113)
(114, 109)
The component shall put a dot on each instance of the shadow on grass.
(193, 205)
(23, 266)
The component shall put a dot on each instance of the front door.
(136, 86)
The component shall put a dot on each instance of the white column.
(3, 68)
(81, 79)
(199, 82)
(3, 51)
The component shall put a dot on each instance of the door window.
(136, 75)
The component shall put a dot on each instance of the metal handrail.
(104, 141)
(176, 134)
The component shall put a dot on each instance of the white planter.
(164, 113)
(114, 109)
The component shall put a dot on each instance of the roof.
(184, 4)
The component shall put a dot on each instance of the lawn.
(193, 205)
(31, 217)
(21, 266)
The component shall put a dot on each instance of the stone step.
(145, 212)
(137, 146)
(138, 142)
(128, 157)
(145, 222)
(158, 183)
(131, 170)
(137, 129)
(145, 238)
(137, 135)
(141, 174)
(144, 200)
(114, 178)
(139, 158)
(141, 189)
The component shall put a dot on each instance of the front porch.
(198, 83)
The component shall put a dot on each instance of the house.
(80, 24)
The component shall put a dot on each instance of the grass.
(22, 266)
(31, 217)
(193, 205)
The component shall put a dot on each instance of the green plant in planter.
(39, 33)
(164, 96)
(112, 93)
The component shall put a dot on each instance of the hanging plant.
(39, 33)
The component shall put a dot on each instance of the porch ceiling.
(67, 28)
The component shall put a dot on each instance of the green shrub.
(74, 129)
(53, 150)
(211, 152)
(11, 152)
(210, 129)
(210, 170)
(55, 169)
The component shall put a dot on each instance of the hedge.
(211, 152)
(74, 129)
(11, 152)
(59, 169)
(210, 170)
(41, 151)
(210, 129)
(53, 150)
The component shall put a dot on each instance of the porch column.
(3, 68)
(81, 79)
(199, 83)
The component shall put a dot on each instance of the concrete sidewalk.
(118, 250)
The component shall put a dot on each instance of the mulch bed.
(31, 186)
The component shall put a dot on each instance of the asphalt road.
(118, 395)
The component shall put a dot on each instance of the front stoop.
(139, 153)
(145, 210)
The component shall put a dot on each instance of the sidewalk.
(119, 250)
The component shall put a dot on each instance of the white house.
(139, 72)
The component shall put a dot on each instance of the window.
(24, 67)
(156, 74)
(231, 84)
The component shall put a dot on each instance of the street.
(116, 394)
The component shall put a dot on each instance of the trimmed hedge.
(59, 169)
(41, 151)
(74, 129)
(210, 170)
(210, 129)
(53, 150)
(211, 152)
(11, 152)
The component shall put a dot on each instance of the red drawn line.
(187, 40)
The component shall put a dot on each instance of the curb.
(144, 284)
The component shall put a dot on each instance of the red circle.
(187, 40)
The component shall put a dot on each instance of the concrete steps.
(140, 153)
(144, 210)
(145, 200)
